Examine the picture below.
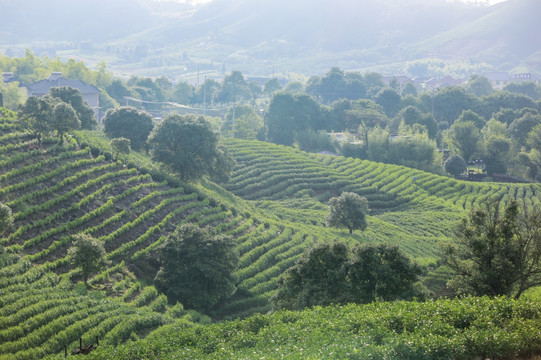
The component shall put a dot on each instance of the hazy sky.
(491, 2)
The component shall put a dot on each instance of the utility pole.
(205, 97)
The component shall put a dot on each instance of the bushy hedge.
(468, 328)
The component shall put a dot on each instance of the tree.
(64, 119)
(469, 115)
(465, 136)
(272, 86)
(521, 127)
(289, 114)
(319, 277)
(496, 252)
(197, 267)
(348, 210)
(455, 165)
(336, 273)
(120, 146)
(183, 93)
(36, 116)
(242, 122)
(479, 86)
(187, 145)
(450, 102)
(130, 123)
(234, 87)
(496, 152)
(74, 98)
(381, 272)
(6, 218)
(87, 254)
(389, 100)
(528, 88)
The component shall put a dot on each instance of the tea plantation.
(274, 207)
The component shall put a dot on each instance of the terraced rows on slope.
(266, 171)
(40, 313)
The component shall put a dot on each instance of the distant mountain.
(257, 36)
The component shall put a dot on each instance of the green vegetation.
(469, 328)
(349, 210)
(337, 274)
(496, 253)
(273, 208)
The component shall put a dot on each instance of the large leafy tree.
(64, 119)
(88, 254)
(335, 273)
(234, 88)
(466, 138)
(348, 211)
(74, 97)
(130, 123)
(187, 145)
(35, 115)
(197, 267)
(497, 252)
(455, 165)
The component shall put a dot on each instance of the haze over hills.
(263, 36)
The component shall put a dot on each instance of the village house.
(91, 94)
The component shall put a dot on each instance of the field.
(274, 207)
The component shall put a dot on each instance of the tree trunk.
(350, 231)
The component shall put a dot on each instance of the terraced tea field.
(273, 206)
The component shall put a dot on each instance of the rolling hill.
(259, 37)
(273, 206)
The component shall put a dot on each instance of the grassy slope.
(471, 328)
(58, 190)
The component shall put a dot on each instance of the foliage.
(335, 273)
(130, 123)
(120, 146)
(349, 210)
(466, 137)
(479, 86)
(290, 114)
(64, 119)
(197, 267)
(187, 145)
(496, 253)
(455, 165)
(35, 116)
(242, 122)
(74, 98)
(87, 254)
(6, 218)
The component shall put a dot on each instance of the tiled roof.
(42, 87)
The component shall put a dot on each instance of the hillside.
(273, 206)
(261, 37)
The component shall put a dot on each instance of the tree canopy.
(496, 252)
(197, 267)
(74, 97)
(130, 123)
(188, 145)
(337, 273)
(349, 211)
(87, 254)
